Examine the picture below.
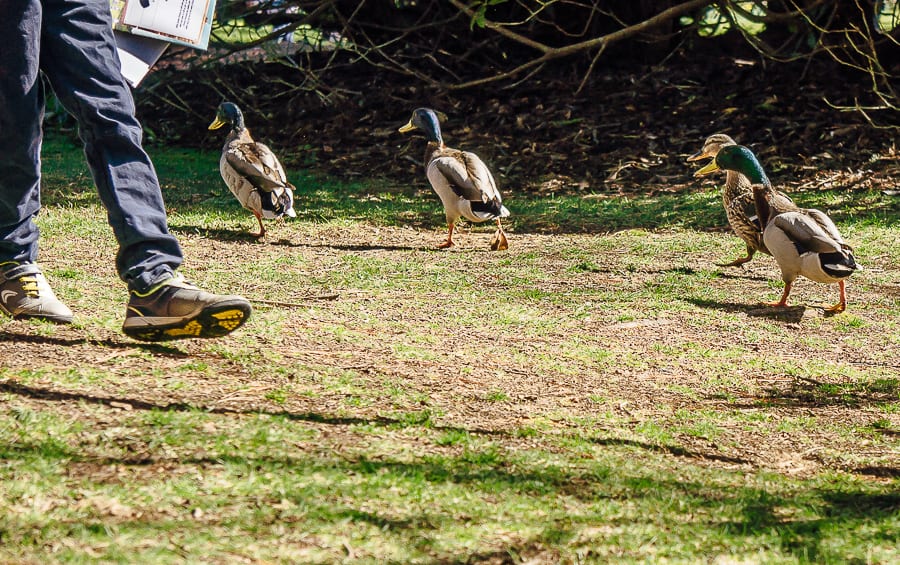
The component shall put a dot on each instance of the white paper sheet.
(138, 54)
(178, 18)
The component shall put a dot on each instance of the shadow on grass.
(723, 306)
(20, 389)
(804, 392)
(155, 348)
(587, 267)
(740, 274)
(672, 450)
(803, 537)
(237, 236)
(217, 233)
(788, 314)
(359, 247)
(803, 520)
(13, 387)
(880, 471)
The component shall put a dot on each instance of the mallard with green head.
(252, 171)
(802, 241)
(461, 180)
(737, 198)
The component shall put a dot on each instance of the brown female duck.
(737, 198)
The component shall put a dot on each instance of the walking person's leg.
(24, 292)
(78, 56)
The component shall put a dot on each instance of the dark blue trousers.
(72, 43)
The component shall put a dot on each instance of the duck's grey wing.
(826, 223)
(255, 165)
(468, 176)
(806, 232)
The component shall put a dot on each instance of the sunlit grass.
(599, 393)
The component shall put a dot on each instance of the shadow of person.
(155, 348)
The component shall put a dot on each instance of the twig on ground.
(295, 304)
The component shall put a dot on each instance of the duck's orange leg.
(499, 241)
(262, 228)
(784, 296)
(842, 305)
(449, 242)
(740, 261)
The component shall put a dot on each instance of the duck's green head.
(739, 159)
(228, 114)
(426, 120)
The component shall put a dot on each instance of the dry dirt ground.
(664, 385)
(629, 133)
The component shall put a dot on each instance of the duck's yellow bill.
(217, 123)
(408, 127)
(711, 167)
(697, 156)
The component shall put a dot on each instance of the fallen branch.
(295, 304)
(551, 53)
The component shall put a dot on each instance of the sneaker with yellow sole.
(25, 293)
(175, 309)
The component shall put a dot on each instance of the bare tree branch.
(551, 53)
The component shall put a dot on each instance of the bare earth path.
(624, 334)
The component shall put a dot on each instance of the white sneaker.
(25, 293)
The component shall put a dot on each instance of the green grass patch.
(601, 392)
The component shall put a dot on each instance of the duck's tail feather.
(489, 210)
(278, 203)
(838, 264)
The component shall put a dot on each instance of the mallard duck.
(252, 171)
(802, 241)
(461, 180)
(737, 198)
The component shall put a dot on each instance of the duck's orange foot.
(499, 241)
(736, 263)
(837, 308)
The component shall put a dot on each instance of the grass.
(279, 497)
(600, 393)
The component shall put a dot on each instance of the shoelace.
(30, 286)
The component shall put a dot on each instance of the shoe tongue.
(175, 280)
(178, 281)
